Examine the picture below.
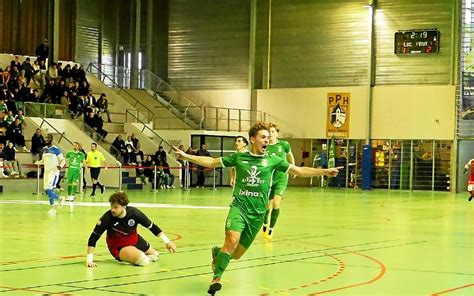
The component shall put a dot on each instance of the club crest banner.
(338, 115)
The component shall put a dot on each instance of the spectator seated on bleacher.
(103, 105)
(3, 111)
(171, 176)
(118, 148)
(129, 142)
(53, 72)
(10, 161)
(37, 144)
(6, 75)
(8, 120)
(2, 157)
(15, 134)
(129, 157)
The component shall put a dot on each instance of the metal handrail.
(136, 101)
(43, 120)
(29, 107)
(233, 119)
(146, 127)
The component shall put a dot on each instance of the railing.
(164, 94)
(97, 137)
(131, 117)
(50, 126)
(45, 110)
(230, 119)
(109, 80)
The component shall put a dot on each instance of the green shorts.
(279, 186)
(248, 225)
(73, 176)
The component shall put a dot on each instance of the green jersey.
(279, 149)
(75, 159)
(253, 179)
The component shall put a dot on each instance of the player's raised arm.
(205, 161)
(313, 172)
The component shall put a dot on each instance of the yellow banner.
(338, 115)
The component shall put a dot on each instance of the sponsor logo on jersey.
(249, 193)
(264, 162)
(253, 179)
(131, 222)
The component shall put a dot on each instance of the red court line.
(341, 267)
(177, 237)
(48, 259)
(28, 290)
(383, 269)
(450, 290)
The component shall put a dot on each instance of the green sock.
(73, 190)
(274, 217)
(222, 261)
(267, 213)
(69, 190)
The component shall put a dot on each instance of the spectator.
(3, 110)
(34, 96)
(42, 51)
(6, 75)
(10, 161)
(129, 142)
(9, 119)
(201, 170)
(100, 126)
(67, 74)
(160, 155)
(16, 63)
(171, 176)
(84, 89)
(15, 133)
(37, 144)
(139, 154)
(134, 140)
(28, 69)
(64, 100)
(81, 74)
(20, 116)
(53, 72)
(119, 145)
(129, 157)
(103, 106)
(140, 173)
(2, 157)
(148, 171)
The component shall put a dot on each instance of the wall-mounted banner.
(339, 107)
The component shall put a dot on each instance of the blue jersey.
(52, 158)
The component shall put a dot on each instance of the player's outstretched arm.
(205, 161)
(169, 244)
(313, 172)
(90, 257)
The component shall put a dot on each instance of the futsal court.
(327, 241)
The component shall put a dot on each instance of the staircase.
(130, 182)
(163, 93)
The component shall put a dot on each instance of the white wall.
(398, 112)
(177, 137)
(301, 112)
(414, 112)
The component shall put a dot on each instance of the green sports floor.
(335, 242)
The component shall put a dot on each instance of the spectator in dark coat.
(42, 51)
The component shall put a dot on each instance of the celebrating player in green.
(282, 150)
(75, 160)
(254, 171)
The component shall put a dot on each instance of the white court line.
(106, 204)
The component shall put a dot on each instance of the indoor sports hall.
(224, 147)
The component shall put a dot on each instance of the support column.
(149, 36)
(251, 65)
(53, 26)
(136, 47)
